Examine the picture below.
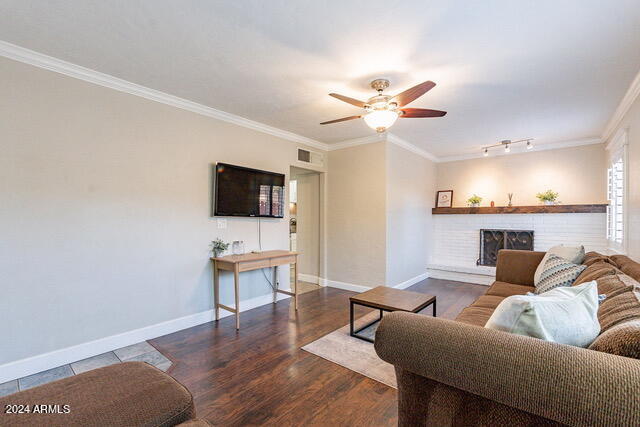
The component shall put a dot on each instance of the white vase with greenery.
(474, 201)
(548, 197)
(218, 247)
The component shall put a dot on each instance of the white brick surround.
(456, 239)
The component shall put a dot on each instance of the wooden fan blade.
(344, 119)
(413, 93)
(348, 100)
(420, 112)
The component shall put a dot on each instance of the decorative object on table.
(506, 144)
(444, 199)
(238, 247)
(493, 204)
(510, 196)
(474, 201)
(218, 247)
(549, 197)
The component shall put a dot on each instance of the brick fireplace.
(456, 239)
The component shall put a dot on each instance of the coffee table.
(388, 299)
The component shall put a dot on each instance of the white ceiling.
(548, 69)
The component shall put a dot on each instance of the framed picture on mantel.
(444, 199)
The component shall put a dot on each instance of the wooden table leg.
(275, 283)
(216, 290)
(295, 282)
(236, 285)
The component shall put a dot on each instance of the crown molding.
(396, 140)
(382, 137)
(540, 147)
(371, 139)
(625, 104)
(27, 56)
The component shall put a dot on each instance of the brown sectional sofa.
(459, 373)
(126, 394)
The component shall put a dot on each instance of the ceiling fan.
(381, 111)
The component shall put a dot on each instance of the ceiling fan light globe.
(381, 119)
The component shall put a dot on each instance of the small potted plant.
(474, 201)
(549, 197)
(218, 247)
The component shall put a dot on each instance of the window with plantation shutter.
(616, 193)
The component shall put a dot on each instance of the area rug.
(353, 353)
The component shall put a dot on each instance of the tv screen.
(241, 191)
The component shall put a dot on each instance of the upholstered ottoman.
(126, 394)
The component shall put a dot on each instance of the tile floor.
(141, 352)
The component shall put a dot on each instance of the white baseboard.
(309, 278)
(460, 276)
(360, 288)
(412, 281)
(343, 285)
(31, 365)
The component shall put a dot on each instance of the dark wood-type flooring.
(260, 375)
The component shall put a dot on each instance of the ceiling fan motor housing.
(380, 84)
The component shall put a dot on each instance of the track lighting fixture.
(506, 143)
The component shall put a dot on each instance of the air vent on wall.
(311, 157)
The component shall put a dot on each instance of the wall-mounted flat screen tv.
(240, 191)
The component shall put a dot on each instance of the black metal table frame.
(354, 333)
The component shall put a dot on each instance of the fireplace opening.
(491, 241)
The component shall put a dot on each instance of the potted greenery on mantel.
(548, 197)
(474, 201)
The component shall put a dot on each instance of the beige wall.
(410, 194)
(356, 215)
(577, 173)
(308, 222)
(631, 122)
(105, 213)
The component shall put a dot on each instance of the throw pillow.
(567, 315)
(557, 272)
(622, 340)
(574, 254)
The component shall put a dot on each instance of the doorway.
(304, 225)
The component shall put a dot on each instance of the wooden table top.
(393, 299)
(255, 256)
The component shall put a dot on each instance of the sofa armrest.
(567, 384)
(518, 267)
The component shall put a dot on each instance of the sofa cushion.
(488, 301)
(126, 394)
(593, 257)
(622, 303)
(476, 316)
(627, 265)
(622, 340)
(613, 283)
(596, 271)
(504, 289)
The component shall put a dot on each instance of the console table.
(248, 262)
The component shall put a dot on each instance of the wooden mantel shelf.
(595, 208)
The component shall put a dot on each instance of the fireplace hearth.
(491, 241)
